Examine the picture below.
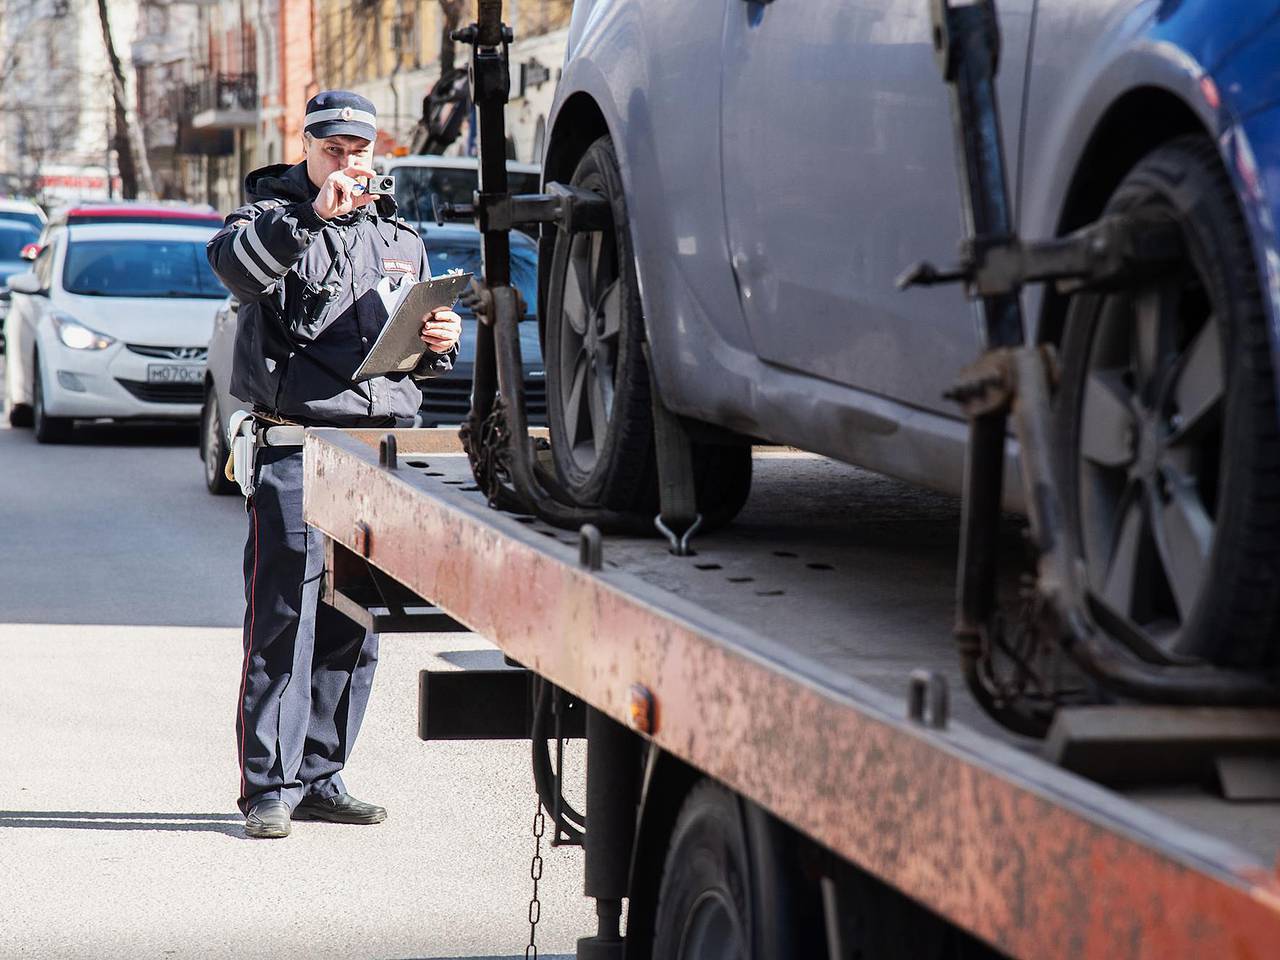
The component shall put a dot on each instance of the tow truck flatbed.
(778, 659)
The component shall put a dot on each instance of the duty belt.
(285, 435)
(274, 431)
(249, 431)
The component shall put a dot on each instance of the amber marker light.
(643, 710)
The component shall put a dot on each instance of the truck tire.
(598, 396)
(47, 429)
(728, 890)
(213, 447)
(1167, 422)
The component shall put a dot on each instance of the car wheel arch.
(1134, 124)
(578, 123)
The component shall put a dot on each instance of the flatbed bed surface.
(840, 582)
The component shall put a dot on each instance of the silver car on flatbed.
(773, 167)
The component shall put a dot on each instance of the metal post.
(490, 86)
(967, 45)
(613, 779)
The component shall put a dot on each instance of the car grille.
(194, 354)
(164, 392)
(448, 399)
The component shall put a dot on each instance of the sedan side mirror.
(30, 251)
(26, 283)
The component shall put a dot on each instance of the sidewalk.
(120, 838)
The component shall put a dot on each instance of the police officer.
(313, 259)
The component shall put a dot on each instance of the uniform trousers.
(308, 669)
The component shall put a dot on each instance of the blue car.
(773, 167)
(14, 235)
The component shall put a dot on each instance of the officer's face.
(334, 153)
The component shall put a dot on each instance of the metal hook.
(679, 544)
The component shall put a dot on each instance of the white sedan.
(113, 321)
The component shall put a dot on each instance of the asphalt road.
(120, 608)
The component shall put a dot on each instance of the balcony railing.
(224, 101)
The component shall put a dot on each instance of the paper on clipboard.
(399, 346)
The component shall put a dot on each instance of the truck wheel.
(1167, 418)
(728, 890)
(213, 447)
(598, 404)
(47, 429)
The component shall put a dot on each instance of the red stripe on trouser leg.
(248, 645)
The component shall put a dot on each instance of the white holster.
(241, 434)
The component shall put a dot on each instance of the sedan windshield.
(140, 268)
(17, 216)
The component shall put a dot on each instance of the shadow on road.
(225, 823)
(135, 435)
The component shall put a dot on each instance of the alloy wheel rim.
(1150, 445)
(711, 931)
(591, 327)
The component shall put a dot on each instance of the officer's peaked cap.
(333, 113)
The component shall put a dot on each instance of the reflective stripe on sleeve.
(260, 249)
(246, 259)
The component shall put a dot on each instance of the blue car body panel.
(784, 161)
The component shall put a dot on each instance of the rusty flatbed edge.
(423, 441)
(1038, 862)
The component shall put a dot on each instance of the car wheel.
(598, 400)
(1167, 416)
(47, 429)
(213, 447)
(20, 414)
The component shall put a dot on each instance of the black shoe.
(267, 820)
(343, 808)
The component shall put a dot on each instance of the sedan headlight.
(77, 336)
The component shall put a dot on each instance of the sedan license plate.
(175, 373)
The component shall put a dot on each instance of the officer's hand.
(441, 329)
(338, 194)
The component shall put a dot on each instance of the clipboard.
(399, 346)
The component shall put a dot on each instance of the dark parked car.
(445, 400)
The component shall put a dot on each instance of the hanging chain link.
(535, 873)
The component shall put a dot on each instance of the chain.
(535, 872)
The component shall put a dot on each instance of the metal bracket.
(484, 705)
(360, 591)
(569, 208)
(1130, 745)
(1118, 248)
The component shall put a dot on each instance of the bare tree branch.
(129, 141)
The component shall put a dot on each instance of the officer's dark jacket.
(310, 308)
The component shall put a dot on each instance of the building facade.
(56, 107)
(219, 87)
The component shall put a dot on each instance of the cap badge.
(346, 113)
